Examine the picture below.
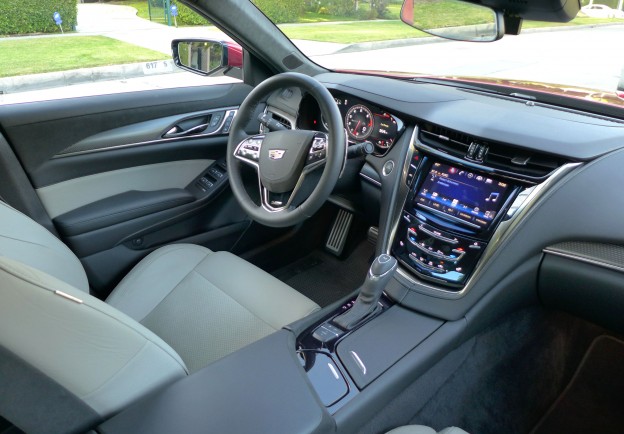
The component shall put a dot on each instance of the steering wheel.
(282, 159)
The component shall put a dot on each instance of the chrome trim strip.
(69, 297)
(333, 371)
(502, 233)
(584, 259)
(358, 362)
(371, 180)
(153, 142)
(402, 185)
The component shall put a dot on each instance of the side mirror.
(206, 57)
(454, 19)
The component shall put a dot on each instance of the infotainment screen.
(468, 196)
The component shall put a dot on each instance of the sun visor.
(538, 10)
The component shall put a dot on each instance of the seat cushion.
(206, 304)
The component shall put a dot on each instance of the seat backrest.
(26, 241)
(67, 359)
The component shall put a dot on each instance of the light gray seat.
(421, 429)
(180, 308)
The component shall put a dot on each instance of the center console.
(450, 215)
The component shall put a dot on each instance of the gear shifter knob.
(382, 264)
(366, 304)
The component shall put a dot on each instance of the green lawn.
(38, 55)
(368, 31)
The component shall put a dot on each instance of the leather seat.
(421, 429)
(182, 307)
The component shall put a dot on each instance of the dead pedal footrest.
(339, 232)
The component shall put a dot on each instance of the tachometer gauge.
(359, 122)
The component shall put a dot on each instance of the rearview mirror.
(206, 57)
(454, 19)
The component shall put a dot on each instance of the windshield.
(369, 36)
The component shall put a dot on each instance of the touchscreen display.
(470, 197)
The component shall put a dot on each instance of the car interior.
(312, 251)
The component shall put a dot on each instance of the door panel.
(66, 196)
(122, 174)
(40, 131)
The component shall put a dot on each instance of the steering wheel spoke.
(285, 159)
(275, 202)
(318, 152)
(248, 151)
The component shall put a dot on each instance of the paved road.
(590, 57)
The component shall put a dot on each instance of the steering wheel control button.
(388, 168)
(318, 150)
(249, 149)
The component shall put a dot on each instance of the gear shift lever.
(366, 304)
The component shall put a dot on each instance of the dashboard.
(472, 188)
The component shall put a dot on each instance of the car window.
(370, 37)
(63, 49)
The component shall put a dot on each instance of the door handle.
(176, 131)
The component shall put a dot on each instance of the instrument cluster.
(362, 121)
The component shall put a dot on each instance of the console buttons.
(431, 252)
(227, 124)
(443, 236)
(472, 150)
(205, 182)
(327, 332)
(216, 173)
(216, 119)
(476, 245)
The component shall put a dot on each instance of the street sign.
(174, 11)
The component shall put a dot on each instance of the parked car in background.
(601, 11)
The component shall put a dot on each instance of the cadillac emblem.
(276, 154)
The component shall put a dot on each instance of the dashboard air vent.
(498, 156)
(282, 120)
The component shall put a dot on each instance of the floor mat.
(324, 278)
(594, 399)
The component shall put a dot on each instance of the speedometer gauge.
(359, 122)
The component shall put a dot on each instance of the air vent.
(499, 156)
(282, 120)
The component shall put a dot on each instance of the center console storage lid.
(374, 348)
(261, 388)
